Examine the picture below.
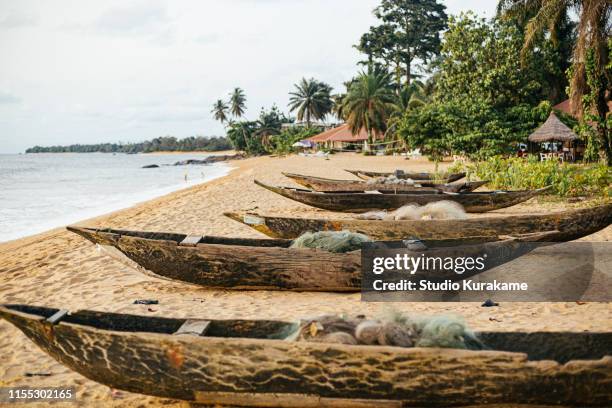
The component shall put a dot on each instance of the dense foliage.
(282, 143)
(368, 103)
(485, 100)
(590, 76)
(256, 137)
(159, 144)
(567, 180)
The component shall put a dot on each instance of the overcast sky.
(106, 71)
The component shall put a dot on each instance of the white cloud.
(133, 18)
(14, 19)
(7, 98)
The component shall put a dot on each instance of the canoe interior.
(558, 346)
(440, 193)
(284, 243)
(168, 236)
(250, 329)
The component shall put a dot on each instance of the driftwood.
(570, 224)
(326, 185)
(245, 361)
(445, 178)
(473, 202)
(241, 263)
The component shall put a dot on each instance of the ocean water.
(48, 190)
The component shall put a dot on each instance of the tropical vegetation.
(565, 179)
(460, 84)
(237, 102)
(311, 99)
(368, 103)
(590, 74)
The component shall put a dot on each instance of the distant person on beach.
(185, 176)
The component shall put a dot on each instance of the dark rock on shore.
(150, 166)
(210, 159)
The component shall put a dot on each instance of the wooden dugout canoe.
(473, 202)
(447, 178)
(244, 263)
(246, 362)
(326, 185)
(570, 224)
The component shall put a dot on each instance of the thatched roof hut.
(553, 130)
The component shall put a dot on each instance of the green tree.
(409, 30)
(368, 103)
(312, 100)
(412, 96)
(269, 124)
(237, 102)
(552, 47)
(479, 61)
(219, 111)
(590, 74)
(240, 134)
(485, 101)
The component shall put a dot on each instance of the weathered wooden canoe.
(247, 362)
(445, 178)
(473, 202)
(326, 185)
(243, 263)
(570, 224)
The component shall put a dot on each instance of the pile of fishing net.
(332, 241)
(438, 210)
(392, 179)
(394, 330)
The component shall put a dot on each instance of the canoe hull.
(278, 268)
(237, 266)
(362, 202)
(202, 369)
(333, 186)
(449, 178)
(571, 225)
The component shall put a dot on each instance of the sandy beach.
(61, 269)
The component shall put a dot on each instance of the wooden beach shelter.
(553, 130)
(342, 138)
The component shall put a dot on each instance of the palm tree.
(219, 111)
(409, 97)
(591, 48)
(237, 102)
(368, 103)
(311, 99)
(268, 124)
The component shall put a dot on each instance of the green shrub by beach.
(566, 179)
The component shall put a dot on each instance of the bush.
(567, 180)
(283, 142)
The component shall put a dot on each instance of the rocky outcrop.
(209, 159)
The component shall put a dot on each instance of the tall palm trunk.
(370, 141)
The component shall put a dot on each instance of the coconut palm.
(409, 97)
(592, 47)
(368, 103)
(312, 100)
(237, 102)
(269, 124)
(219, 111)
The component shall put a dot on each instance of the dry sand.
(60, 269)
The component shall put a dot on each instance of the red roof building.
(340, 135)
